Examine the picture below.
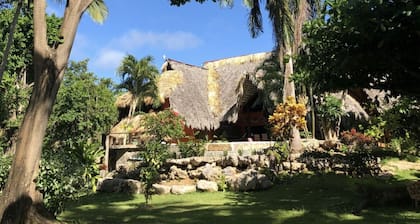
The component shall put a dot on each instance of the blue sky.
(192, 33)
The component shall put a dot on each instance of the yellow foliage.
(286, 116)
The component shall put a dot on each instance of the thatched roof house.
(208, 95)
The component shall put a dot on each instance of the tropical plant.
(139, 79)
(193, 147)
(286, 117)
(330, 111)
(162, 127)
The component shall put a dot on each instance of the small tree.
(286, 117)
(162, 127)
(330, 112)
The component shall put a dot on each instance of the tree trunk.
(20, 195)
(21, 202)
(10, 39)
(289, 90)
(311, 98)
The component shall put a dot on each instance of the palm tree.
(287, 18)
(20, 201)
(139, 79)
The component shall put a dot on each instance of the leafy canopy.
(366, 44)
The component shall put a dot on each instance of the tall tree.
(365, 44)
(287, 18)
(10, 38)
(139, 78)
(21, 202)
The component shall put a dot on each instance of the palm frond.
(255, 23)
(98, 11)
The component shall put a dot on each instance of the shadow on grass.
(299, 199)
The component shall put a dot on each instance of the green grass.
(300, 199)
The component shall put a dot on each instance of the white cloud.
(108, 59)
(177, 40)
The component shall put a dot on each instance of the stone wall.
(236, 148)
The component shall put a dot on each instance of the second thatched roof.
(213, 93)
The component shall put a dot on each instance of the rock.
(208, 186)
(183, 189)
(117, 185)
(163, 176)
(176, 173)
(229, 171)
(189, 167)
(296, 166)
(135, 186)
(310, 144)
(162, 189)
(233, 160)
(197, 161)
(263, 182)
(179, 162)
(244, 181)
(211, 172)
(243, 162)
(194, 174)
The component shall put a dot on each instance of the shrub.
(67, 174)
(330, 111)
(163, 127)
(355, 139)
(191, 148)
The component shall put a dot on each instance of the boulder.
(208, 186)
(311, 144)
(117, 185)
(198, 161)
(229, 171)
(194, 174)
(179, 162)
(263, 182)
(233, 160)
(296, 166)
(244, 181)
(183, 189)
(244, 161)
(135, 186)
(211, 172)
(176, 173)
(162, 189)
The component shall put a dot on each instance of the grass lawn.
(300, 199)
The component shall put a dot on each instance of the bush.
(67, 174)
(355, 139)
(191, 148)
(163, 127)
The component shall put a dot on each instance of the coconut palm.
(139, 79)
(287, 18)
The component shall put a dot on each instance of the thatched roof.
(352, 106)
(129, 125)
(212, 93)
(124, 100)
